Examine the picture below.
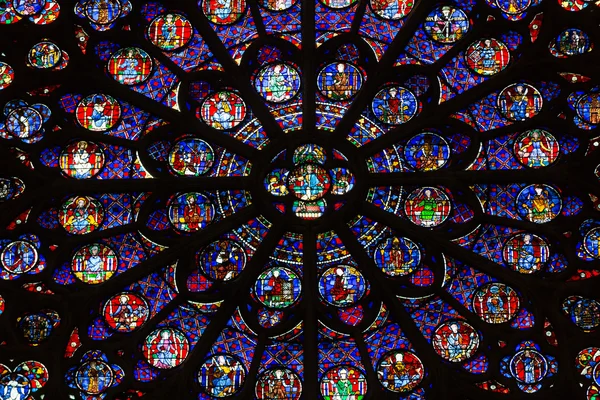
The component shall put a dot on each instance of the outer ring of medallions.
(263, 165)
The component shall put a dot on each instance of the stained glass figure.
(309, 182)
(447, 24)
(455, 341)
(223, 12)
(7, 74)
(591, 243)
(520, 101)
(427, 207)
(81, 215)
(277, 82)
(279, 384)
(588, 108)
(536, 148)
(19, 257)
(526, 253)
(223, 110)
(44, 55)
(539, 203)
(426, 152)
(397, 256)
(166, 348)
(340, 81)
(344, 382)
(395, 105)
(496, 303)
(170, 31)
(400, 371)
(130, 66)
(487, 56)
(278, 287)
(94, 263)
(102, 12)
(98, 112)
(222, 260)
(585, 313)
(191, 157)
(190, 212)
(82, 160)
(126, 312)
(221, 375)
(342, 285)
(391, 9)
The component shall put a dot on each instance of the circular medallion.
(585, 313)
(276, 182)
(130, 66)
(342, 181)
(455, 341)
(190, 212)
(222, 260)
(343, 381)
(519, 102)
(278, 287)
(339, 81)
(36, 328)
(277, 82)
(35, 371)
(397, 256)
(391, 9)
(191, 157)
(496, 303)
(342, 286)
(526, 253)
(15, 385)
(338, 4)
(102, 12)
(591, 243)
(7, 74)
(539, 203)
(221, 375)
(80, 215)
(400, 371)
(28, 7)
(528, 366)
(427, 207)
(19, 257)
(596, 374)
(170, 31)
(394, 105)
(426, 152)
(81, 160)
(309, 154)
(513, 7)
(277, 5)
(94, 377)
(278, 384)
(588, 108)
(24, 122)
(223, 110)
(309, 182)
(98, 112)
(223, 12)
(126, 312)
(572, 42)
(166, 348)
(487, 56)
(536, 148)
(447, 24)
(94, 263)
(44, 55)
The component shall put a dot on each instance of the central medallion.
(312, 180)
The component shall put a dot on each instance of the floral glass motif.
(286, 200)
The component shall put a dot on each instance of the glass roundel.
(285, 200)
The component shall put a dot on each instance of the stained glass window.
(286, 199)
